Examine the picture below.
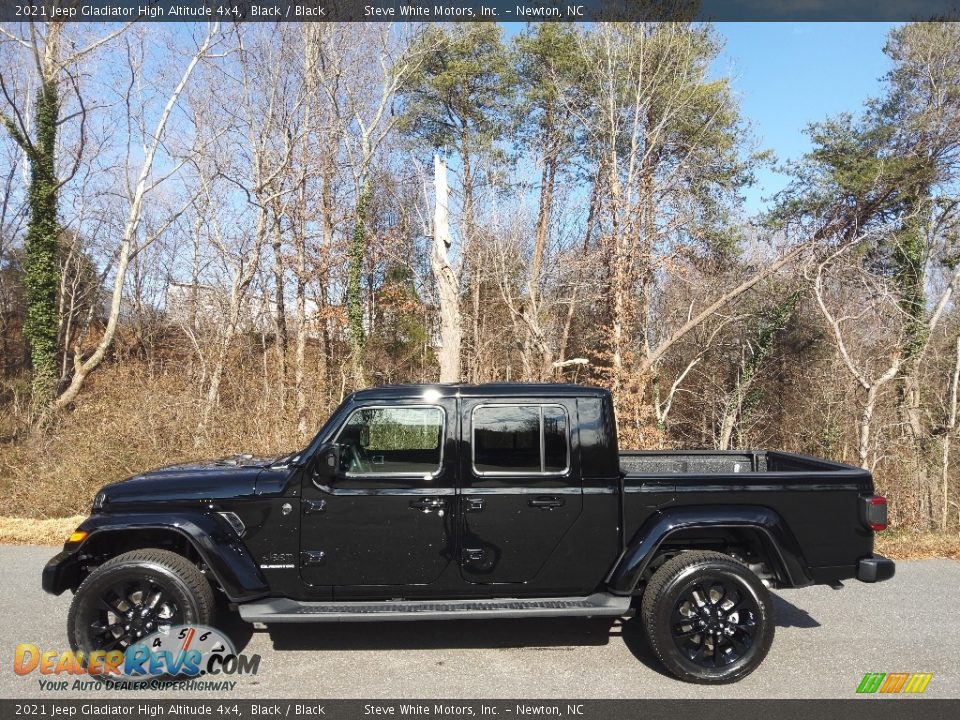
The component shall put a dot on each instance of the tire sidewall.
(91, 589)
(660, 624)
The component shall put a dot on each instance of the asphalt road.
(826, 640)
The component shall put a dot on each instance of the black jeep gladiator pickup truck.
(475, 501)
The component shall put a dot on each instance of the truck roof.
(494, 390)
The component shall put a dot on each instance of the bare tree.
(949, 429)
(264, 138)
(864, 313)
(132, 241)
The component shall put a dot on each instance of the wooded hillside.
(210, 234)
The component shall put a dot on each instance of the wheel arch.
(200, 537)
(759, 531)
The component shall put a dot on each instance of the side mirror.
(327, 461)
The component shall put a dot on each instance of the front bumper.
(876, 568)
(61, 572)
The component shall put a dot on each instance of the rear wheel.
(708, 618)
(135, 594)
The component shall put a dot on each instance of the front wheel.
(135, 594)
(708, 618)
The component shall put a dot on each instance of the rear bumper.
(876, 568)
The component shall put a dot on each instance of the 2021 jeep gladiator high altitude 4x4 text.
(475, 501)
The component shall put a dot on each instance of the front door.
(383, 516)
(521, 488)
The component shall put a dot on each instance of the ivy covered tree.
(42, 242)
(356, 255)
(55, 58)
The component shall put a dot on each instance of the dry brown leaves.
(918, 546)
(29, 531)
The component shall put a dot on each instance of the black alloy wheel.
(136, 594)
(129, 611)
(714, 623)
(708, 617)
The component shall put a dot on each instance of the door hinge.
(314, 506)
(473, 505)
(472, 554)
(312, 557)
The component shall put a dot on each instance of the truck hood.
(230, 461)
(206, 480)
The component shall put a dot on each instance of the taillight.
(874, 512)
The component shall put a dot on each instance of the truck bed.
(818, 500)
(722, 462)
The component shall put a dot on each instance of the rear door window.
(520, 440)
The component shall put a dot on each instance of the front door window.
(392, 441)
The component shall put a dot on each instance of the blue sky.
(790, 74)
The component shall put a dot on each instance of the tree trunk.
(42, 276)
(866, 420)
(300, 353)
(300, 350)
(535, 336)
(473, 267)
(327, 225)
(280, 311)
(355, 285)
(909, 255)
(949, 429)
(729, 419)
(918, 437)
(588, 234)
(448, 285)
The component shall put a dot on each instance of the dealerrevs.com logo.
(172, 658)
(894, 683)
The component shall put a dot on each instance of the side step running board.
(285, 610)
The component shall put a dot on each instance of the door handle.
(426, 505)
(546, 503)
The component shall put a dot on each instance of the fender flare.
(779, 540)
(223, 552)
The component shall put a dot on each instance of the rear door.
(384, 517)
(520, 487)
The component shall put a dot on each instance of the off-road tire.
(672, 583)
(183, 580)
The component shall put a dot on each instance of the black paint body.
(312, 532)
